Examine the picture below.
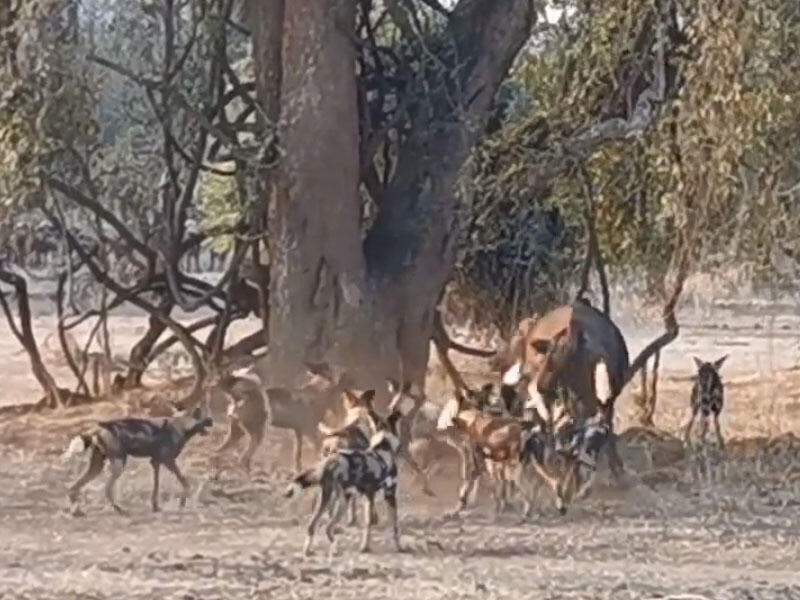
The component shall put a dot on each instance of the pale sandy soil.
(667, 533)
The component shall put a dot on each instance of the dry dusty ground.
(670, 532)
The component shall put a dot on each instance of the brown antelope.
(575, 347)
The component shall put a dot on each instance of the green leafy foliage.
(704, 176)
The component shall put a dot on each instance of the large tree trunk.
(367, 306)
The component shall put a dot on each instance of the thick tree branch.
(670, 321)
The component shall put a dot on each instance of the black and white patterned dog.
(581, 442)
(356, 471)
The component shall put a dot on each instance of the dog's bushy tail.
(78, 445)
(306, 479)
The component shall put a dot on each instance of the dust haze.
(711, 526)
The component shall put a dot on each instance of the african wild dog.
(707, 398)
(496, 446)
(579, 442)
(252, 407)
(351, 471)
(356, 433)
(358, 428)
(160, 440)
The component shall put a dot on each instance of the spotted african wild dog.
(356, 432)
(708, 396)
(500, 446)
(352, 471)
(579, 442)
(160, 440)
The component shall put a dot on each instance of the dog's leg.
(614, 459)
(703, 429)
(351, 511)
(688, 431)
(116, 466)
(342, 500)
(154, 495)
(369, 510)
(391, 502)
(570, 481)
(325, 499)
(93, 469)
(298, 450)
(256, 437)
(523, 489)
(584, 490)
(406, 454)
(418, 472)
(717, 430)
(494, 471)
(464, 492)
(553, 483)
(235, 433)
(173, 467)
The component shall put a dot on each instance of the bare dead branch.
(178, 330)
(106, 215)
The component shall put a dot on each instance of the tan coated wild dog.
(160, 440)
(365, 472)
(497, 445)
(251, 408)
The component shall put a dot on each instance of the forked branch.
(670, 322)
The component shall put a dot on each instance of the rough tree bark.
(368, 306)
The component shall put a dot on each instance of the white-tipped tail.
(513, 375)
(602, 384)
(536, 400)
(76, 446)
(448, 415)
(293, 489)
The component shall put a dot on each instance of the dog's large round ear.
(350, 399)
(697, 362)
